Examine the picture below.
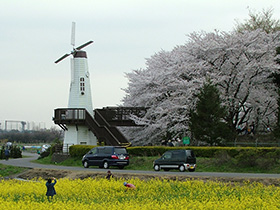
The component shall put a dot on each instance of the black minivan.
(176, 159)
(106, 156)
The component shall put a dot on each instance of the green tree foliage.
(41, 136)
(15, 152)
(206, 121)
(259, 20)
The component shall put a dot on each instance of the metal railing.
(254, 144)
(65, 149)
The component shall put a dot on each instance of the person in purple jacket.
(50, 188)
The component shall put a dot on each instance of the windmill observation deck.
(104, 123)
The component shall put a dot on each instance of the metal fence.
(253, 144)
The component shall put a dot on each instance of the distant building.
(19, 125)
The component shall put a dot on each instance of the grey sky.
(125, 32)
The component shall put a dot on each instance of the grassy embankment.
(6, 170)
(217, 164)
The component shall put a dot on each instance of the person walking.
(7, 153)
(50, 188)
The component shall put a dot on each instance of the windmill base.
(78, 135)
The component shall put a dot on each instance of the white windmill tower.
(79, 95)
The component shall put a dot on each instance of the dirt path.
(46, 173)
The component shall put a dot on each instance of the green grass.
(6, 170)
(68, 162)
(203, 165)
(141, 163)
(46, 160)
(136, 163)
(218, 165)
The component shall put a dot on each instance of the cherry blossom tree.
(264, 21)
(276, 81)
(259, 20)
(166, 87)
(241, 63)
(238, 63)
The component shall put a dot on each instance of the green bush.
(45, 153)
(148, 150)
(269, 160)
(205, 151)
(199, 151)
(258, 157)
(79, 150)
(247, 158)
(221, 157)
(15, 152)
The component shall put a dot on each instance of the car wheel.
(182, 168)
(105, 165)
(86, 164)
(191, 170)
(157, 167)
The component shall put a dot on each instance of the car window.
(93, 151)
(101, 150)
(108, 150)
(190, 153)
(167, 155)
(177, 154)
(120, 150)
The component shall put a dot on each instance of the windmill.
(79, 95)
(75, 50)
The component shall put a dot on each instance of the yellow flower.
(152, 194)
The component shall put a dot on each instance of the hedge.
(209, 152)
(15, 152)
(79, 150)
(199, 151)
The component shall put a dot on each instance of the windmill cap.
(80, 54)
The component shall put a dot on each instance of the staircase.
(103, 125)
(104, 131)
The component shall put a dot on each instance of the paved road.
(25, 162)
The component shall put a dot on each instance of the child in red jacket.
(128, 185)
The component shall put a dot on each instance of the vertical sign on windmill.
(79, 94)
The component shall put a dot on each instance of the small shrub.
(45, 153)
(221, 157)
(79, 150)
(247, 158)
(268, 160)
(15, 152)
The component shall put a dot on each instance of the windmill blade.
(84, 45)
(60, 59)
(73, 34)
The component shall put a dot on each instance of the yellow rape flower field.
(150, 194)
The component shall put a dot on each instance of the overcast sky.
(33, 34)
